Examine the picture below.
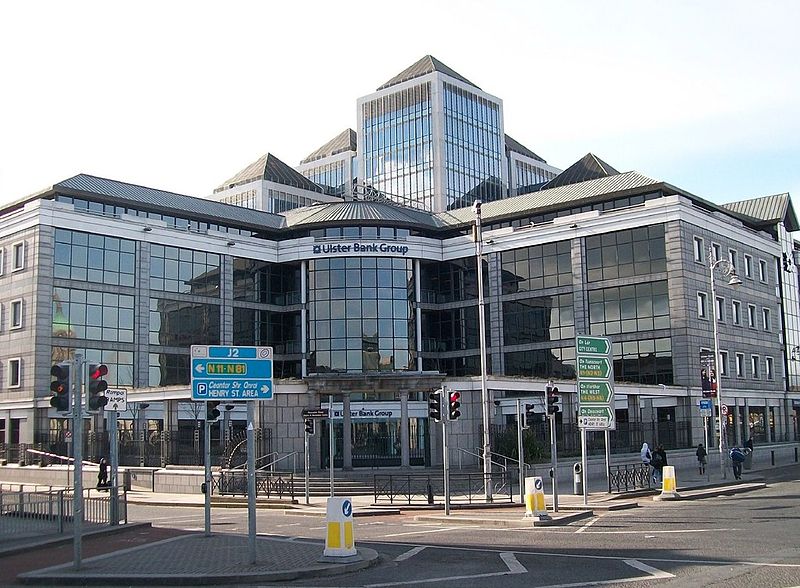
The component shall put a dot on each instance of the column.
(405, 445)
(767, 427)
(746, 425)
(169, 436)
(737, 425)
(347, 440)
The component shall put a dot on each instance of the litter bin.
(577, 478)
(748, 458)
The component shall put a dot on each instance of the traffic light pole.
(114, 455)
(554, 460)
(520, 416)
(307, 467)
(446, 466)
(209, 480)
(76, 392)
(331, 439)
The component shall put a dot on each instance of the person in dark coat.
(702, 458)
(102, 475)
(737, 459)
(658, 462)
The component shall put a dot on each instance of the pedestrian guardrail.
(423, 489)
(628, 477)
(268, 484)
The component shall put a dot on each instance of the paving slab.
(199, 560)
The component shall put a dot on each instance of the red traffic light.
(98, 370)
(455, 403)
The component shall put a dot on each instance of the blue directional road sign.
(220, 372)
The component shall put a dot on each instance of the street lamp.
(728, 271)
(487, 452)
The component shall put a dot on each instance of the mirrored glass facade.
(94, 258)
(184, 271)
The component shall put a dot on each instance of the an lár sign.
(358, 247)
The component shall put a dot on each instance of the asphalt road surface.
(750, 539)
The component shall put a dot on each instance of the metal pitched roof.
(767, 210)
(344, 141)
(360, 211)
(424, 66)
(514, 145)
(84, 185)
(588, 167)
(552, 198)
(269, 167)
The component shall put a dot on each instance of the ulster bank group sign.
(360, 248)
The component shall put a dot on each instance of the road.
(743, 540)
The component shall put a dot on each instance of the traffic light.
(453, 405)
(97, 386)
(552, 400)
(309, 423)
(530, 415)
(435, 405)
(212, 412)
(60, 387)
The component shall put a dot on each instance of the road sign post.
(117, 400)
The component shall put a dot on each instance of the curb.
(68, 538)
(522, 522)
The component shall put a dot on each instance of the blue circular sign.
(347, 508)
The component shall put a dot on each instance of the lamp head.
(734, 280)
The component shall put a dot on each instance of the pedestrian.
(658, 461)
(737, 459)
(645, 453)
(749, 444)
(702, 458)
(102, 475)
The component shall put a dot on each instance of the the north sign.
(594, 367)
(595, 392)
(593, 345)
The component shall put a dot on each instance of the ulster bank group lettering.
(357, 248)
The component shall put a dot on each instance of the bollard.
(669, 484)
(339, 540)
(577, 479)
(534, 499)
(430, 494)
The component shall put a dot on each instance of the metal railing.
(268, 484)
(424, 489)
(628, 477)
(478, 456)
(47, 511)
(271, 465)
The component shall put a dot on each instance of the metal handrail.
(461, 451)
(258, 459)
(280, 459)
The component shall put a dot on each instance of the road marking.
(514, 567)
(587, 525)
(410, 553)
(654, 572)
(648, 533)
(442, 530)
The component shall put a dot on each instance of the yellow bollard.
(669, 485)
(339, 539)
(534, 498)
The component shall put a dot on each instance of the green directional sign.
(596, 417)
(594, 367)
(595, 345)
(596, 411)
(595, 392)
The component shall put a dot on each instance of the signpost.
(595, 365)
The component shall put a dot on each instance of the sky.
(180, 95)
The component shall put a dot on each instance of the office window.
(720, 309)
(754, 366)
(723, 363)
(622, 254)
(736, 312)
(748, 266)
(716, 251)
(18, 256)
(698, 249)
(769, 368)
(766, 319)
(16, 314)
(751, 316)
(733, 258)
(762, 270)
(14, 373)
(702, 298)
(740, 365)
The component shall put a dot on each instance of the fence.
(423, 489)
(45, 512)
(268, 484)
(627, 477)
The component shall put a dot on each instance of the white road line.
(664, 532)
(442, 530)
(654, 572)
(587, 525)
(410, 553)
(514, 567)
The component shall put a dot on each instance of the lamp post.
(487, 452)
(728, 271)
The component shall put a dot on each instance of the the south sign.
(594, 367)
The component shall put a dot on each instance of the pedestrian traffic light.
(212, 412)
(97, 386)
(530, 415)
(60, 387)
(435, 405)
(454, 403)
(552, 400)
(309, 424)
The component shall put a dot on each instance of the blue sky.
(181, 95)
